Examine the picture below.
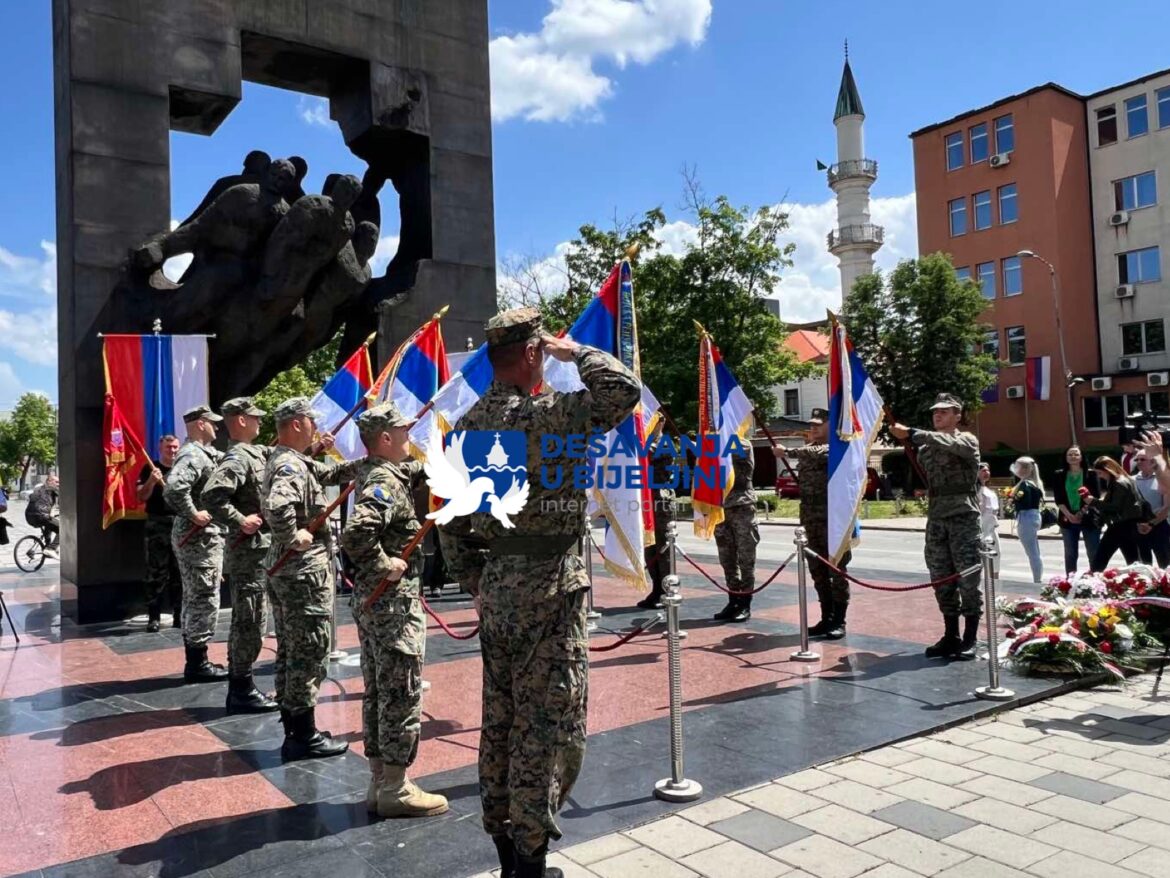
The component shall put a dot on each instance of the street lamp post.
(1068, 382)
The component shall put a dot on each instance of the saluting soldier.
(532, 586)
(813, 478)
(232, 496)
(736, 538)
(950, 459)
(302, 590)
(201, 556)
(392, 632)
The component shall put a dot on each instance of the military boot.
(743, 609)
(244, 697)
(727, 612)
(399, 797)
(837, 623)
(375, 784)
(198, 669)
(950, 644)
(153, 617)
(824, 626)
(533, 866)
(303, 741)
(506, 851)
(970, 636)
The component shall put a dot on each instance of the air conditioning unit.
(1119, 219)
(1125, 291)
(1016, 391)
(1158, 379)
(1102, 383)
(1000, 159)
(1128, 364)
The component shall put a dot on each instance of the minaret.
(855, 239)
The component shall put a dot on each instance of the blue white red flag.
(413, 376)
(724, 411)
(342, 393)
(855, 416)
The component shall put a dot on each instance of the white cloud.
(28, 284)
(10, 386)
(31, 335)
(383, 253)
(29, 278)
(550, 76)
(314, 111)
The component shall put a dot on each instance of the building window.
(979, 143)
(983, 210)
(985, 274)
(1013, 280)
(958, 210)
(991, 343)
(1163, 96)
(1159, 403)
(962, 275)
(1009, 212)
(954, 150)
(1016, 349)
(1156, 402)
(792, 403)
(1107, 125)
(1104, 412)
(1137, 121)
(1146, 337)
(1005, 134)
(1139, 266)
(1140, 190)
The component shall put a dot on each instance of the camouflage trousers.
(535, 693)
(831, 587)
(278, 662)
(244, 569)
(392, 701)
(163, 581)
(201, 569)
(952, 545)
(302, 602)
(736, 538)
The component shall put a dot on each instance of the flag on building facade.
(125, 458)
(855, 415)
(1039, 377)
(724, 411)
(342, 393)
(990, 393)
(414, 375)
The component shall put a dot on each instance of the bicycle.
(29, 552)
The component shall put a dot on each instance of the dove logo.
(479, 471)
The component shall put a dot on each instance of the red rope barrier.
(626, 638)
(946, 580)
(442, 624)
(724, 588)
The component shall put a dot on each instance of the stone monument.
(275, 272)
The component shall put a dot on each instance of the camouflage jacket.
(293, 495)
(183, 493)
(742, 492)
(812, 475)
(552, 516)
(662, 498)
(232, 493)
(951, 464)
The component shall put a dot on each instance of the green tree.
(919, 335)
(307, 379)
(28, 436)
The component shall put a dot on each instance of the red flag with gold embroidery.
(124, 458)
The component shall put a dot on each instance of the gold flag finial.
(633, 250)
(441, 313)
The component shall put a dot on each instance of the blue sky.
(598, 104)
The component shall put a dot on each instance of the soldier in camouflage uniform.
(393, 632)
(200, 557)
(736, 538)
(532, 585)
(163, 580)
(302, 590)
(656, 556)
(813, 478)
(232, 496)
(950, 459)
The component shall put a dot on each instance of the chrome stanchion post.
(591, 615)
(675, 788)
(804, 654)
(670, 581)
(993, 691)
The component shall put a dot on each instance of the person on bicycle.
(42, 512)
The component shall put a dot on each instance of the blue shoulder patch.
(286, 470)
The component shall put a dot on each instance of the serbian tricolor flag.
(125, 457)
(413, 376)
(341, 399)
(1039, 377)
(724, 411)
(855, 415)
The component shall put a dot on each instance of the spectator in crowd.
(1027, 496)
(1119, 510)
(1153, 533)
(1074, 525)
(988, 508)
(42, 512)
(1152, 443)
(1129, 457)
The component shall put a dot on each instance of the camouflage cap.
(818, 416)
(242, 405)
(946, 401)
(295, 407)
(382, 417)
(517, 324)
(200, 411)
